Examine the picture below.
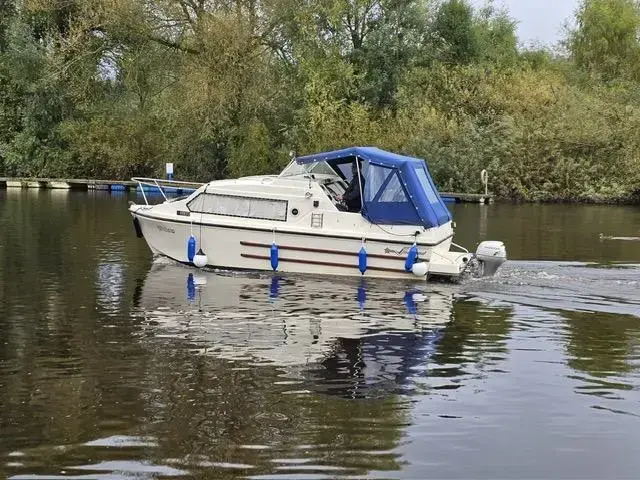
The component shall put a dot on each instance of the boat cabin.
(343, 189)
(391, 189)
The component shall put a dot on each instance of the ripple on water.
(566, 286)
(123, 441)
(109, 470)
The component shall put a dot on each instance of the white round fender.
(420, 269)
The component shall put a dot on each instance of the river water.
(117, 366)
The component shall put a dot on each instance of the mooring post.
(484, 178)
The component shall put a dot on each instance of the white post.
(484, 178)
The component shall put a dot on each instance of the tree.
(454, 27)
(392, 48)
(605, 42)
(496, 38)
(461, 35)
(32, 101)
(371, 42)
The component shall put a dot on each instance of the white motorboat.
(359, 211)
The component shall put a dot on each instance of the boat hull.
(247, 248)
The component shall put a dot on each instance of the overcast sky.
(538, 20)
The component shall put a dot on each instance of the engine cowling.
(491, 254)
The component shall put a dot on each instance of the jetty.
(129, 185)
(68, 184)
(467, 197)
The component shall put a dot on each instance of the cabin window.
(236, 206)
(394, 192)
(386, 199)
(384, 186)
(432, 197)
(376, 178)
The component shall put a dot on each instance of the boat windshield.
(317, 168)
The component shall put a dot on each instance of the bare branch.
(175, 45)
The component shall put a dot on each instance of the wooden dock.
(128, 185)
(467, 197)
(68, 184)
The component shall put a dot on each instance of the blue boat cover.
(398, 190)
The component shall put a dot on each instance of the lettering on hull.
(404, 251)
(162, 228)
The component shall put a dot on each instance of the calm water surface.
(117, 366)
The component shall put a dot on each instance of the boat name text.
(162, 228)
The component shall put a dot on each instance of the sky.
(538, 20)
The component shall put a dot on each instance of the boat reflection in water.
(347, 337)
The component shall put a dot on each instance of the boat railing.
(162, 184)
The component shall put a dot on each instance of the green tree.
(392, 48)
(31, 105)
(453, 26)
(495, 34)
(605, 41)
(377, 40)
(461, 35)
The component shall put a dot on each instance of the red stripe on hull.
(321, 250)
(319, 262)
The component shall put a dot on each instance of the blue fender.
(362, 260)
(191, 248)
(412, 256)
(274, 256)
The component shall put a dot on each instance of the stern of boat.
(485, 262)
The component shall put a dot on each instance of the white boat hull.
(232, 247)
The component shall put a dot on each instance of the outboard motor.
(491, 254)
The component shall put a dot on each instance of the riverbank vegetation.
(115, 88)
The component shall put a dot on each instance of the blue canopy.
(398, 190)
